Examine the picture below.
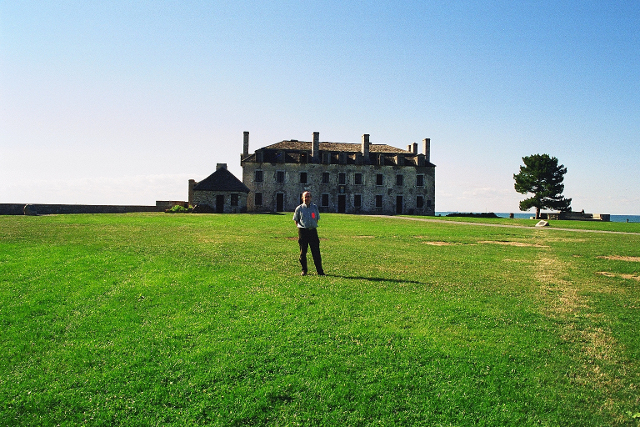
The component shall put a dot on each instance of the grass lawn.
(186, 319)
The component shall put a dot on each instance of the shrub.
(179, 209)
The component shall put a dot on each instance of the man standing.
(306, 218)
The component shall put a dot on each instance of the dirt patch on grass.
(598, 348)
(510, 243)
(364, 237)
(624, 276)
(426, 241)
(438, 243)
(621, 258)
(600, 345)
(549, 272)
(554, 239)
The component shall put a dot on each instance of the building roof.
(221, 180)
(348, 147)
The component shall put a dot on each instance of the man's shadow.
(374, 279)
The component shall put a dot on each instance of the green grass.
(155, 319)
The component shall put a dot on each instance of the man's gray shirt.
(307, 216)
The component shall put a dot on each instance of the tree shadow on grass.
(375, 279)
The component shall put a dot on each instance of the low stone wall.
(50, 209)
(577, 216)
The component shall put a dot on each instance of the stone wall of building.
(221, 202)
(337, 187)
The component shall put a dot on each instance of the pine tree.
(542, 176)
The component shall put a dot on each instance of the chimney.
(192, 183)
(221, 166)
(426, 146)
(315, 148)
(365, 146)
(409, 148)
(415, 148)
(245, 144)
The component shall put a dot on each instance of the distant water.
(527, 215)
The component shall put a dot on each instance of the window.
(342, 158)
(420, 202)
(303, 177)
(258, 176)
(379, 179)
(280, 177)
(357, 179)
(325, 178)
(428, 203)
(420, 181)
(357, 200)
(378, 201)
(234, 200)
(325, 200)
(342, 178)
(399, 180)
(258, 199)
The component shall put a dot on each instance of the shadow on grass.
(375, 279)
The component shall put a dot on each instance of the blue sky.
(122, 102)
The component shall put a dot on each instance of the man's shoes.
(320, 273)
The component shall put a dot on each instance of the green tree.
(542, 176)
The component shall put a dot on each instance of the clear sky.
(121, 102)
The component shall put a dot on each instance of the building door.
(399, 205)
(342, 203)
(280, 202)
(220, 203)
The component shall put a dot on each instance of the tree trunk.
(537, 213)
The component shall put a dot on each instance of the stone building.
(220, 192)
(342, 177)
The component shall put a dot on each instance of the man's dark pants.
(309, 237)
